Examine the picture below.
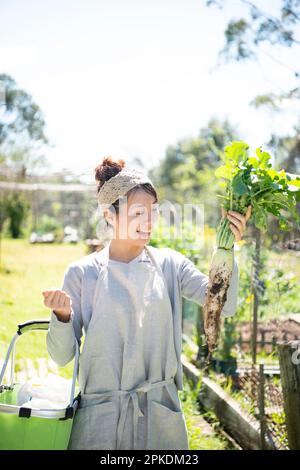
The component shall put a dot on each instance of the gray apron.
(128, 364)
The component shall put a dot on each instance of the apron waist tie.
(132, 395)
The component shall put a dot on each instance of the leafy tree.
(204, 149)
(21, 116)
(288, 150)
(186, 174)
(17, 210)
(243, 39)
(22, 160)
(244, 36)
(22, 134)
(3, 218)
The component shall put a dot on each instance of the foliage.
(244, 35)
(17, 211)
(22, 159)
(183, 237)
(22, 116)
(3, 210)
(186, 174)
(277, 289)
(253, 180)
(198, 440)
(287, 150)
(48, 224)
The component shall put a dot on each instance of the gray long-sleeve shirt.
(183, 279)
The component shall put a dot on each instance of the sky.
(129, 77)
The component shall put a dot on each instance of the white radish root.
(216, 294)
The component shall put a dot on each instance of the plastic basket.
(34, 429)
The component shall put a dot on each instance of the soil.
(285, 328)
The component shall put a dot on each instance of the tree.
(21, 115)
(22, 135)
(3, 217)
(288, 150)
(186, 174)
(243, 39)
(244, 36)
(17, 209)
(22, 160)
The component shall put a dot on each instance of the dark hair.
(111, 167)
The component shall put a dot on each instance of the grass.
(197, 439)
(26, 270)
(190, 405)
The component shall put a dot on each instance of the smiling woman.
(128, 298)
(132, 216)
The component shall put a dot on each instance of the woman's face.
(136, 218)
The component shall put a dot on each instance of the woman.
(128, 299)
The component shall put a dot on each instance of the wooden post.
(261, 406)
(289, 360)
(256, 293)
(262, 348)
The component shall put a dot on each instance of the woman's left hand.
(238, 221)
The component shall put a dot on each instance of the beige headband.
(118, 185)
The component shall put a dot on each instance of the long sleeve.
(61, 336)
(194, 284)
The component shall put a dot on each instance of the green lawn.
(199, 438)
(26, 270)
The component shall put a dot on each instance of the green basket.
(34, 429)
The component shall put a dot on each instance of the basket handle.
(33, 325)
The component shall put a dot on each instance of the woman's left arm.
(194, 282)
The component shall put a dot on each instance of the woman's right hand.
(60, 302)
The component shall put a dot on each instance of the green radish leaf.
(224, 171)
(239, 186)
(253, 162)
(276, 186)
(263, 157)
(236, 152)
(253, 180)
(273, 173)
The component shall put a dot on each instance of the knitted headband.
(118, 185)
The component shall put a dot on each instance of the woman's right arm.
(66, 317)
